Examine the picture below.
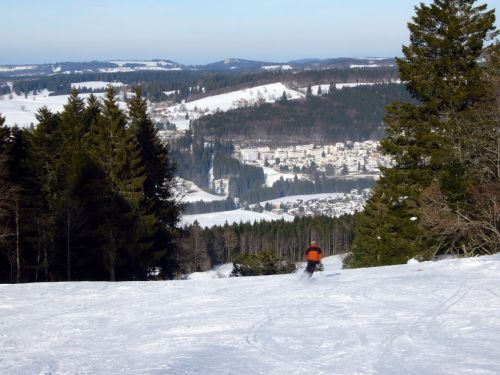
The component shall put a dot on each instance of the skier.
(313, 255)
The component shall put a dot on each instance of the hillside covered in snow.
(420, 318)
(21, 110)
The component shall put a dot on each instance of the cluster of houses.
(341, 158)
(333, 205)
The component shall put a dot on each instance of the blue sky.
(201, 31)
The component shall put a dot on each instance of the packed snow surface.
(423, 318)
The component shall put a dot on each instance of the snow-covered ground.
(218, 272)
(242, 98)
(13, 68)
(225, 102)
(231, 217)
(95, 85)
(188, 191)
(277, 67)
(272, 175)
(21, 110)
(427, 318)
(306, 197)
(148, 63)
(325, 88)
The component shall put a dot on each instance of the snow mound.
(218, 272)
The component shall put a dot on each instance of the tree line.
(201, 248)
(86, 195)
(442, 195)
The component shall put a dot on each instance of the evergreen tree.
(73, 125)
(92, 112)
(8, 256)
(284, 98)
(4, 133)
(33, 162)
(116, 151)
(309, 91)
(471, 226)
(159, 175)
(75, 234)
(425, 139)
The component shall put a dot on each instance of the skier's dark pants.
(311, 266)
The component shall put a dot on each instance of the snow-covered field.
(242, 98)
(277, 67)
(427, 318)
(325, 88)
(272, 175)
(21, 110)
(231, 217)
(12, 68)
(95, 85)
(149, 63)
(231, 100)
(141, 65)
(306, 197)
(188, 191)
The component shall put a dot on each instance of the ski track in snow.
(424, 318)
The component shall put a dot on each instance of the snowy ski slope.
(427, 318)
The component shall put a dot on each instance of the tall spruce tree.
(471, 226)
(36, 154)
(159, 172)
(116, 150)
(76, 233)
(7, 193)
(441, 71)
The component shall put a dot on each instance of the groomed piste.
(422, 318)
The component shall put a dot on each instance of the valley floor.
(423, 318)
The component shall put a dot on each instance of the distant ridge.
(228, 64)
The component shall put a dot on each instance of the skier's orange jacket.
(314, 254)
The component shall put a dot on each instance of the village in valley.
(329, 204)
(339, 159)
